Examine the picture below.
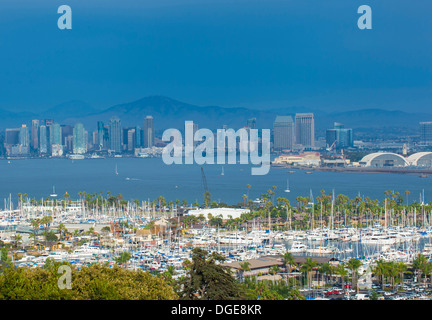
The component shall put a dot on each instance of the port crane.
(204, 180)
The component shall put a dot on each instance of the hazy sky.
(261, 54)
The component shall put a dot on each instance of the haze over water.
(149, 178)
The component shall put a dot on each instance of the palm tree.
(273, 270)
(354, 265)
(307, 268)
(17, 238)
(379, 270)
(418, 264)
(35, 224)
(245, 266)
(342, 272)
(248, 186)
(288, 260)
(326, 269)
(402, 269)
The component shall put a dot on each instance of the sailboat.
(116, 172)
(287, 189)
(222, 173)
(53, 194)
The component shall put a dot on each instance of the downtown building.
(426, 133)
(304, 130)
(115, 135)
(339, 137)
(283, 133)
(79, 139)
(148, 135)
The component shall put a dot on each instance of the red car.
(333, 292)
(347, 286)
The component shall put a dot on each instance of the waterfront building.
(115, 135)
(66, 131)
(56, 150)
(138, 140)
(420, 159)
(34, 135)
(426, 132)
(339, 136)
(100, 132)
(43, 139)
(283, 133)
(131, 143)
(148, 132)
(79, 142)
(55, 134)
(24, 140)
(383, 159)
(304, 159)
(12, 136)
(305, 129)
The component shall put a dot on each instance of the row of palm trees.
(386, 271)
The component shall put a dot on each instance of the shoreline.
(359, 169)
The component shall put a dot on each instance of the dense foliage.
(93, 282)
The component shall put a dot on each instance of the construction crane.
(331, 147)
(204, 180)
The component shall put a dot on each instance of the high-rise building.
(251, 123)
(339, 136)
(43, 141)
(56, 134)
(283, 133)
(99, 144)
(79, 141)
(131, 139)
(67, 131)
(138, 141)
(115, 135)
(12, 136)
(34, 135)
(305, 129)
(148, 132)
(426, 132)
(24, 139)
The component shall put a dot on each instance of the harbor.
(159, 238)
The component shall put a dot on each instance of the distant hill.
(171, 113)
(70, 109)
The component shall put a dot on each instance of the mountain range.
(171, 113)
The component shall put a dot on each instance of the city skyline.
(315, 56)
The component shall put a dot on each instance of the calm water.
(149, 178)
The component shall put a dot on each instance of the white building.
(226, 213)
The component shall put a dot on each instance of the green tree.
(207, 279)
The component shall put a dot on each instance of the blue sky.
(258, 54)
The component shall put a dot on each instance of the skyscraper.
(340, 136)
(131, 139)
(148, 132)
(43, 141)
(305, 129)
(24, 139)
(426, 132)
(55, 134)
(283, 133)
(251, 123)
(99, 144)
(138, 143)
(34, 137)
(115, 134)
(79, 142)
